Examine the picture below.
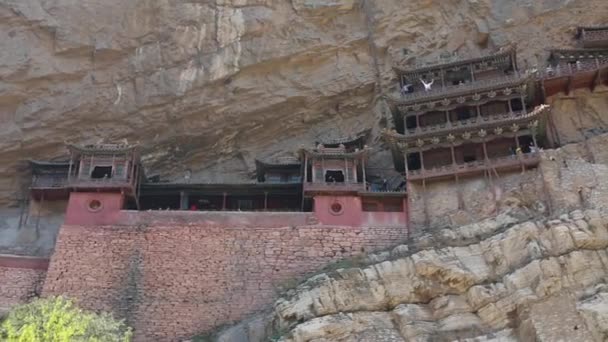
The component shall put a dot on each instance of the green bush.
(59, 320)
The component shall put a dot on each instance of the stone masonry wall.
(172, 281)
(18, 285)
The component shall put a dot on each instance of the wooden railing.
(49, 181)
(527, 159)
(334, 186)
(100, 182)
(447, 90)
(469, 123)
(595, 35)
(585, 65)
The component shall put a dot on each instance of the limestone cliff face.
(210, 85)
(504, 279)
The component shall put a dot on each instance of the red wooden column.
(265, 200)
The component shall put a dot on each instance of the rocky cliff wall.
(497, 280)
(211, 85)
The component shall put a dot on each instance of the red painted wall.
(79, 211)
(352, 214)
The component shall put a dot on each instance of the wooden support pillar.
(183, 200)
(510, 107)
(305, 169)
(425, 204)
(70, 168)
(518, 155)
(456, 177)
(478, 111)
(447, 118)
(38, 214)
(265, 200)
(421, 161)
(90, 166)
(224, 201)
(441, 71)
(80, 168)
(346, 173)
(472, 73)
(417, 121)
(523, 102)
(363, 173)
(489, 169)
(596, 79)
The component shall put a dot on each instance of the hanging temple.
(479, 117)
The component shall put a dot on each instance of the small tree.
(58, 320)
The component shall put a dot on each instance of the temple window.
(336, 176)
(101, 172)
(413, 161)
(463, 113)
(410, 122)
(516, 105)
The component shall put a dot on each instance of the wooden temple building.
(585, 66)
(329, 180)
(474, 120)
(100, 167)
(277, 187)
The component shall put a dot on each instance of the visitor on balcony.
(407, 89)
(427, 86)
(533, 148)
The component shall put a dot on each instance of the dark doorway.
(463, 113)
(101, 172)
(516, 105)
(469, 154)
(336, 176)
(410, 122)
(413, 161)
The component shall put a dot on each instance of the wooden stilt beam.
(427, 220)
(265, 200)
(38, 215)
(596, 80)
(569, 85)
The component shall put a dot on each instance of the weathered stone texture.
(173, 281)
(532, 281)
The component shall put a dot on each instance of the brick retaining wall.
(172, 281)
(21, 279)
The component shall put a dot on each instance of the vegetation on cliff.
(58, 319)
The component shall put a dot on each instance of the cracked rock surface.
(536, 280)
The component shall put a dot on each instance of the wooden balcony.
(585, 65)
(588, 73)
(501, 163)
(452, 90)
(471, 123)
(49, 181)
(594, 38)
(101, 183)
(334, 187)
